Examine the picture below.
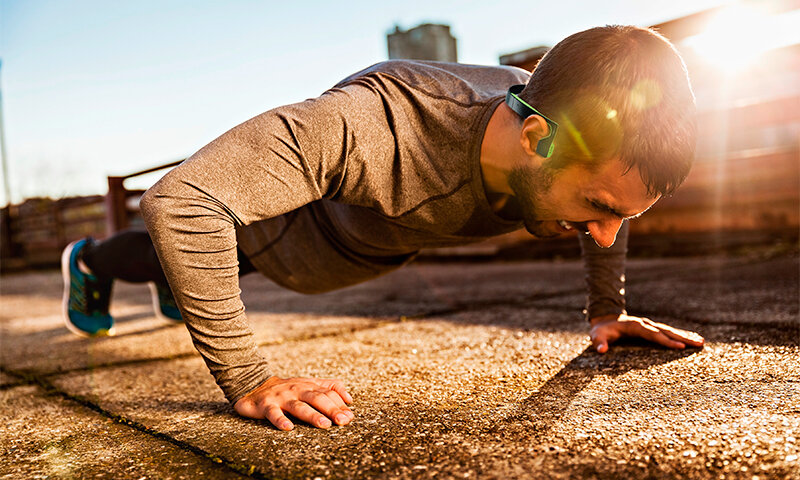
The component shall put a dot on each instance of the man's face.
(554, 202)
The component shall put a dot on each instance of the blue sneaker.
(164, 303)
(86, 297)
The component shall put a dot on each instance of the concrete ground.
(457, 370)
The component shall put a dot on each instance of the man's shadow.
(535, 416)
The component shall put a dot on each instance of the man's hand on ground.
(313, 400)
(610, 328)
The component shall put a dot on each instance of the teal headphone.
(545, 146)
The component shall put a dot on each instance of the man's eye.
(599, 207)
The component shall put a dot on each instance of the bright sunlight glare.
(738, 35)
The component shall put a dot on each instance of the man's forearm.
(195, 241)
(253, 172)
(605, 275)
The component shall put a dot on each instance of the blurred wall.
(747, 170)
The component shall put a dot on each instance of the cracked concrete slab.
(399, 374)
(49, 437)
(477, 397)
(489, 375)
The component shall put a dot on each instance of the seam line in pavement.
(8, 386)
(50, 389)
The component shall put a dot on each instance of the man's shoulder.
(442, 78)
(405, 68)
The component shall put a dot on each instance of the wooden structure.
(36, 231)
(747, 171)
(122, 205)
(526, 59)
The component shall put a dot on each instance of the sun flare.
(738, 35)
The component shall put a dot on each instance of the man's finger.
(342, 408)
(680, 335)
(323, 403)
(247, 409)
(657, 336)
(600, 341)
(335, 385)
(337, 399)
(307, 414)
(636, 328)
(275, 415)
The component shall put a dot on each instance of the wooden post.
(116, 211)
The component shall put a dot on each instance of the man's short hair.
(619, 91)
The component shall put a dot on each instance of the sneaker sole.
(157, 305)
(65, 301)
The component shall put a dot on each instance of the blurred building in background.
(424, 42)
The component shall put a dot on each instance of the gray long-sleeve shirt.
(333, 191)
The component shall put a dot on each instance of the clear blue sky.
(95, 87)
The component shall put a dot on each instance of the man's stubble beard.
(529, 185)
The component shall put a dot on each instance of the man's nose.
(604, 232)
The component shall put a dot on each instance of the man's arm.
(255, 171)
(605, 302)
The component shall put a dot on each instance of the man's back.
(401, 150)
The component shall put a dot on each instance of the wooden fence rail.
(33, 233)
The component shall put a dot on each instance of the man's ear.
(534, 128)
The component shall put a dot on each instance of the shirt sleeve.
(260, 169)
(605, 274)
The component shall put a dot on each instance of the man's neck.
(499, 149)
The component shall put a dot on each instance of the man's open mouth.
(569, 226)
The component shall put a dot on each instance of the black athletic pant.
(130, 256)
